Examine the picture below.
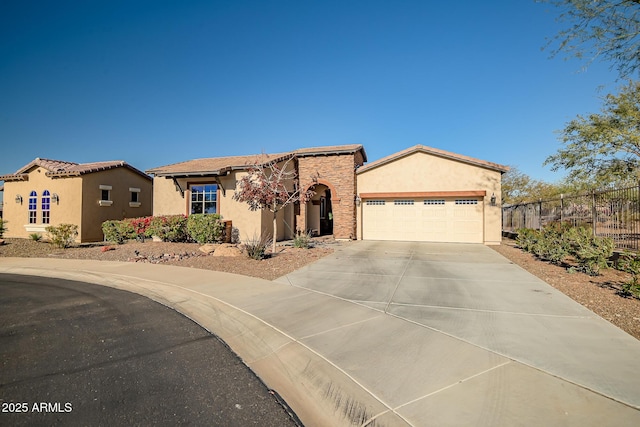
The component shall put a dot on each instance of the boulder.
(1, 242)
(209, 248)
(227, 249)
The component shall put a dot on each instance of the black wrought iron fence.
(611, 213)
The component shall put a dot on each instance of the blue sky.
(158, 82)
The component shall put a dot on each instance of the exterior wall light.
(358, 200)
(18, 199)
(55, 198)
(493, 199)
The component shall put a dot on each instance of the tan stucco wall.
(121, 180)
(78, 201)
(421, 172)
(247, 223)
(67, 210)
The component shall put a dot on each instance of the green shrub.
(256, 247)
(170, 228)
(3, 227)
(555, 242)
(592, 253)
(630, 263)
(528, 238)
(552, 246)
(302, 240)
(36, 237)
(118, 231)
(205, 228)
(63, 235)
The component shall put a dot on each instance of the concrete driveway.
(473, 294)
(401, 334)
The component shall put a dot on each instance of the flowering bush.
(141, 225)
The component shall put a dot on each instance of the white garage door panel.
(443, 220)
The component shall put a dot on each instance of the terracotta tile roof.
(219, 165)
(60, 168)
(216, 165)
(435, 152)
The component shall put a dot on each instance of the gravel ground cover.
(600, 294)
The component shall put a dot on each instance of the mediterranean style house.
(208, 185)
(51, 192)
(418, 194)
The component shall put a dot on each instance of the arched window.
(46, 207)
(33, 206)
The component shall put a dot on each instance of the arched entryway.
(319, 211)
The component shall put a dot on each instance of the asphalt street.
(74, 353)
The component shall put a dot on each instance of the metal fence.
(611, 213)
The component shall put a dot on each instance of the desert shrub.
(592, 253)
(527, 239)
(63, 235)
(3, 227)
(36, 237)
(630, 263)
(552, 245)
(170, 228)
(118, 231)
(302, 240)
(205, 228)
(555, 242)
(256, 247)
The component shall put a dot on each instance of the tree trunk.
(275, 231)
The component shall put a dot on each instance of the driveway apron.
(547, 342)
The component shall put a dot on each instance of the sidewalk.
(340, 363)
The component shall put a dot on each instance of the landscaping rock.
(227, 249)
(209, 248)
(1, 242)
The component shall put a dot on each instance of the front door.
(326, 215)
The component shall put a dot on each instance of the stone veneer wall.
(337, 171)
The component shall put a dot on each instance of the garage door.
(429, 220)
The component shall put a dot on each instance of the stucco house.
(207, 186)
(51, 192)
(418, 194)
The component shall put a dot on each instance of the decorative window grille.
(403, 202)
(46, 207)
(466, 202)
(375, 202)
(33, 206)
(434, 202)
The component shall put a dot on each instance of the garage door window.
(434, 202)
(466, 202)
(403, 202)
(375, 203)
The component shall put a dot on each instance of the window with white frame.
(46, 207)
(134, 201)
(105, 195)
(403, 202)
(434, 202)
(466, 201)
(33, 207)
(204, 198)
(375, 202)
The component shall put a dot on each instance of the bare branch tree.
(271, 186)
